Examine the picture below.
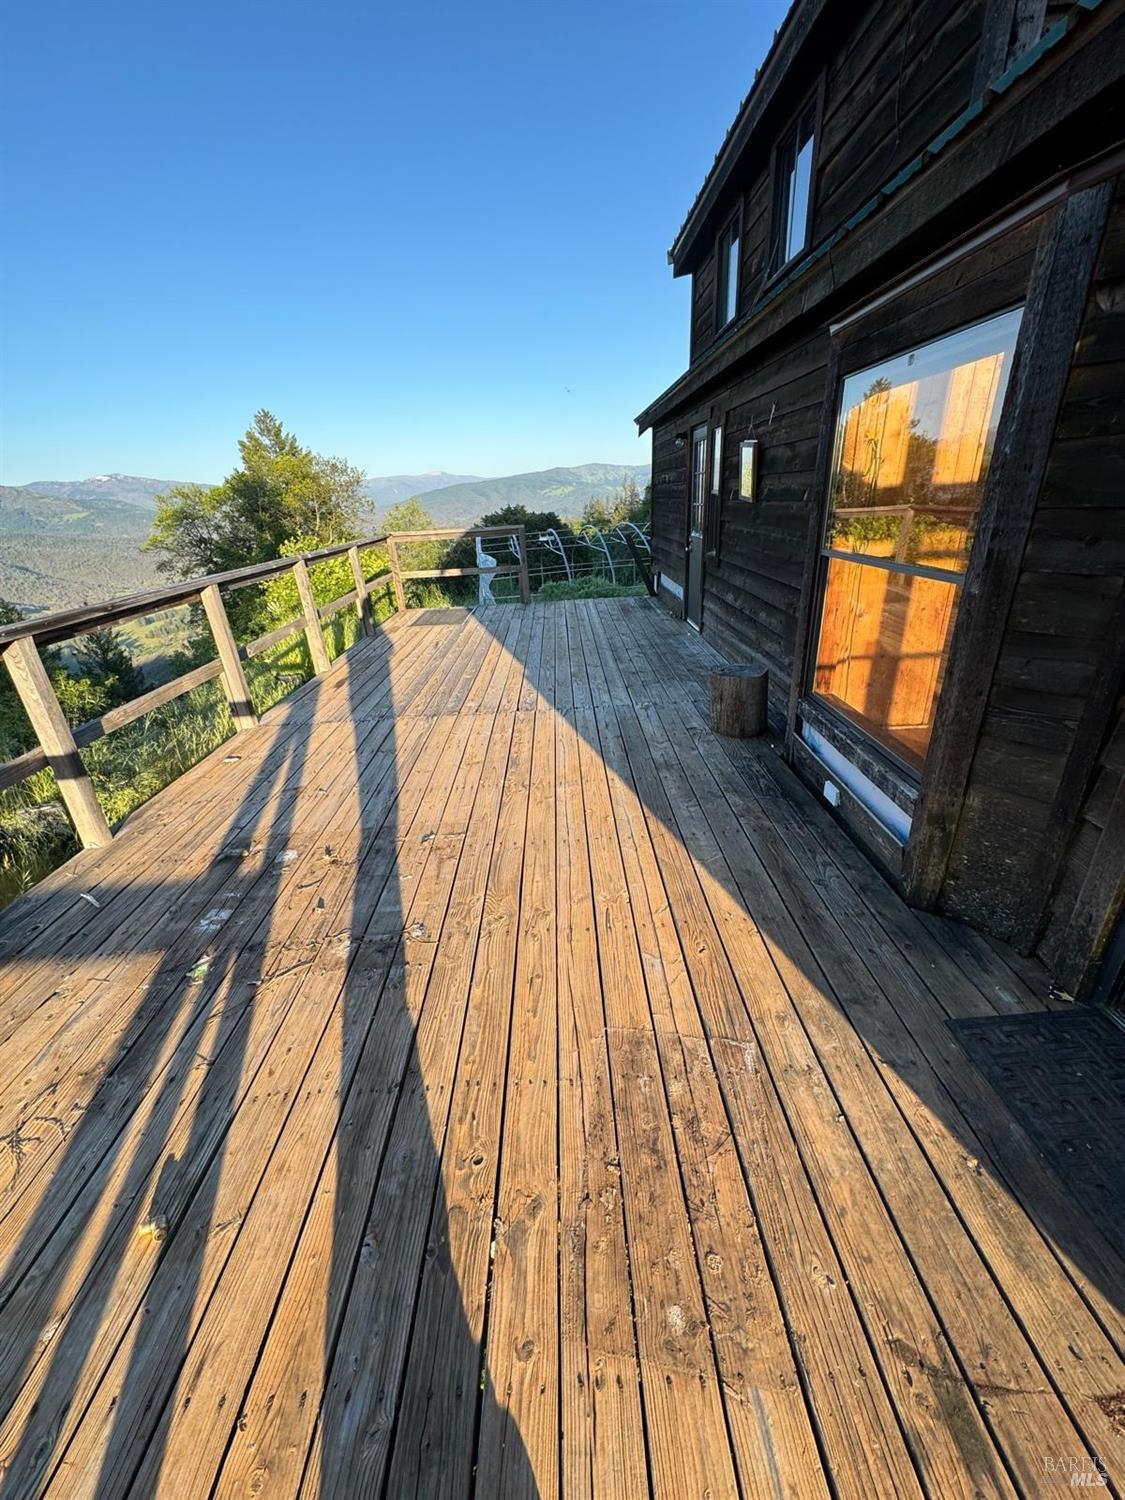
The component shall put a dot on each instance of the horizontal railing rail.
(59, 743)
(62, 624)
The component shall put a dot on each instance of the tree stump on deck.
(738, 701)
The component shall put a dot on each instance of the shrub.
(590, 587)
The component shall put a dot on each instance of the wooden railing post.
(29, 676)
(366, 623)
(235, 685)
(396, 573)
(525, 576)
(313, 633)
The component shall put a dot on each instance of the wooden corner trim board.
(1056, 300)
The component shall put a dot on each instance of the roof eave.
(788, 40)
(1059, 50)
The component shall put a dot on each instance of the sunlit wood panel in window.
(883, 645)
(962, 441)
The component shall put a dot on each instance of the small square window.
(792, 217)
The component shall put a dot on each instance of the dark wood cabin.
(894, 469)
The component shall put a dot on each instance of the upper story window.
(727, 300)
(792, 215)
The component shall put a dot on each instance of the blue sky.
(428, 236)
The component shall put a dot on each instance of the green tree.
(627, 503)
(412, 515)
(79, 694)
(534, 520)
(542, 562)
(104, 657)
(408, 515)
(280, 491)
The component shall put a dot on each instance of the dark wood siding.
(669, 502)
(753, 269)
(752, 595)
(904, 73)
(1055, 688)
(755, 233)
(752, 590)
(1038, 808)
(1087, 901)
(703, 306)
(892, 75)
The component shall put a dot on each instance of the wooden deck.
(525, 1093)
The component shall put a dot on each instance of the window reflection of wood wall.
(913, 441)
(914, 454)
(883, 644)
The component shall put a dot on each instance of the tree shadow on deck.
(209, 1282)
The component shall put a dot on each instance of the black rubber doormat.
(1062, 1074)
(440, 616)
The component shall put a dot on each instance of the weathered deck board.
(565, 1107)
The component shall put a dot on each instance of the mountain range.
(565, 491)
(392, 489)
(37, 510)
(125, 489)
(68, 542)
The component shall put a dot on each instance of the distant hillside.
(382, 489)
(566, 491)
(123, 504)
(36, 512)
(71, 542)
(389, 489)
(62, 572)
(129, 488)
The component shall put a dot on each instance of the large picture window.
(914, 438)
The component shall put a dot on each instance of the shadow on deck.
(479, 1079)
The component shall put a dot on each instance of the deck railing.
(59, 743)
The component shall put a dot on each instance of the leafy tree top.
(281, 491)
(408, 515)
(534, 520)
(628, 503)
